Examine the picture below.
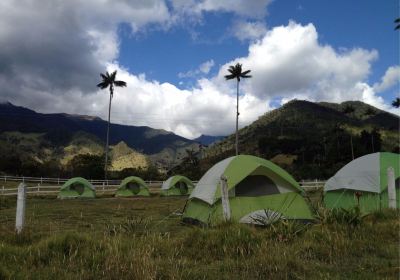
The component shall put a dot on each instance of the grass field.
(142, 238)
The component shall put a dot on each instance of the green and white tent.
(367, 176)
(77, 187)
(133, 186)
(258, 190)
(177, 185)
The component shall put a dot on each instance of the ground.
(143, 238)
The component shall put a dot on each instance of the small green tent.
(133, 186)
(177, 185)
(77, 187)
(363, 182)
(258, 190)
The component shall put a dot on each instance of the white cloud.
(50, 56)
(248, 30)
(289, 61)
(203, 69)
(243, 8)
(391, 78)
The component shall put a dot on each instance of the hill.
(310, 140)
(32, 138)
(207, 140)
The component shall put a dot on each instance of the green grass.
(142, 238)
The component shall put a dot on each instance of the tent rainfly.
(77, 187)
(177, 185)
(132, 186)
(259, 193)
(363, 182)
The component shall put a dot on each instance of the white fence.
(41, 185)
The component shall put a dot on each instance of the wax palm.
(109, 82)
(236, 73)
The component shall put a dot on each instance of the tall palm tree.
(108, 81)
(396, 103)
(397, 23)
(236, 73)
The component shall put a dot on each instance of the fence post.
(391, 188)
(225, 199)
(103, 186)
(20, 215)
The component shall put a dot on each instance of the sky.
(174, 54)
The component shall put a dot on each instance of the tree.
(349, 110)
(109, 82)
(396, 103)
(236, 73)
(397, 23)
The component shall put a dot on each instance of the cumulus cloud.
(50, 56)
(248, 30)
(204, 68)
(243, 8)
(391, 78)
(59, 46)
(290, 62)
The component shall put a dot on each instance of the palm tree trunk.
(237, 117)
(108, 134)
(351, 143)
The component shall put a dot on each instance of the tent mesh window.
(183, 188)
(256, 185)
(79, 188)
(133, 187)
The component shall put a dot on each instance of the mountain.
(207, 140)
(310, 140)
(59, 128)
(61, 137)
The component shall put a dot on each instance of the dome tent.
(366, 176)
(132, 186)
(177, 185)
(77, 187)
(258, 189)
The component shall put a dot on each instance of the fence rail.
(53, 185)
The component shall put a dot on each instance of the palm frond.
(245, 73)
(103, 85)
(113, 75)
(120, 83)
(397, 20)
(245, 76)
(104, 77)
(230, 77)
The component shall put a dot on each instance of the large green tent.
(77, 187)
(133, 186)
(258, 190)
(177, 185)
(363, 182)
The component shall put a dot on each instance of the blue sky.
(174, 54)
(161, 54)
